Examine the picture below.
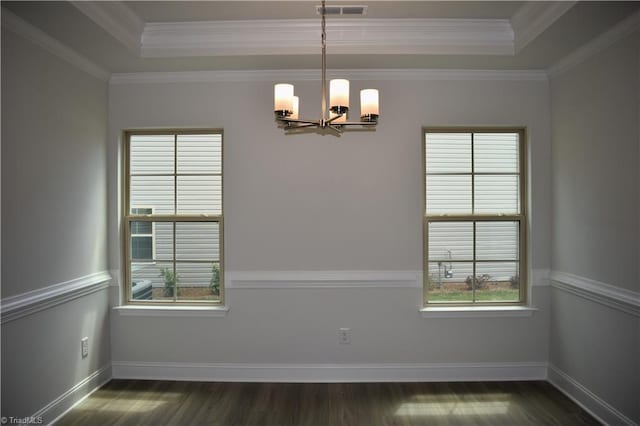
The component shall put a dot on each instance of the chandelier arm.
(332, 119)
(293, 126)
(303, 125)
(359, 123)
(294, 121)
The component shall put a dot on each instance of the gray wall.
(595, 108)
(312, 202)
(54, 217)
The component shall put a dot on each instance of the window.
(173, 221)
(474, 217)
(142, 243)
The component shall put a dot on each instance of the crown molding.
(13, 23)
(623, 29)
(117, 19)
(533, 18)
(344, 36)
(313, 75)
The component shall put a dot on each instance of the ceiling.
(144, 36)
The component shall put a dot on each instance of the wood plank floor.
(138, 402)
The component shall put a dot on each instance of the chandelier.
(286, 105)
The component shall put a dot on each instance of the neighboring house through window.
(474, 217)
(142, 241)
(173, 221)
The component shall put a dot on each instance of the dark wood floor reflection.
(138, 402)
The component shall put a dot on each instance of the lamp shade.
(339, 95)
(283, 98)
(369, 102)
(296, 108)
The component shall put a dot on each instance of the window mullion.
(175, 212)
(473, 177)
(473, 211)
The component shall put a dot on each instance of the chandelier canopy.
(287, 106)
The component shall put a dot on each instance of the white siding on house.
(448, 152)
(152, 191)
(497, 240)
(449, 165)
(448, 194)
(199, 195)
(199, 154)
(494, 241)
(451, 238)
(151, 154)
(495, 153)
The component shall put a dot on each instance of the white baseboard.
(582, 396)
(335, 373)
(330, 373)
(74, 396)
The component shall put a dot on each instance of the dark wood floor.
(137, 402)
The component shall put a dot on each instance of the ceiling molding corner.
(623, 29)
(13, 23)
(116, 18)
(533, 18)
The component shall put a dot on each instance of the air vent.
(349, 10)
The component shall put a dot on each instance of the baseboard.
(74, 396)
(582, 396)
(330, 373)
(334, 373)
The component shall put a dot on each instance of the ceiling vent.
(346, 10)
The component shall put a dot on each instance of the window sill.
(171, 311)
(477, 311)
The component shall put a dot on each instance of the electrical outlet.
(84, 343)
(344, 336)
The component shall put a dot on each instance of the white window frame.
(520, 217)
(127, 218)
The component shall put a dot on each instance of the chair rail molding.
(614, 297)
(323, 279)
(18, 306)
